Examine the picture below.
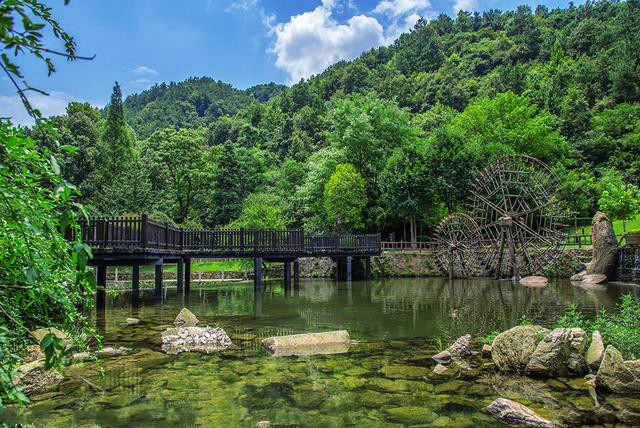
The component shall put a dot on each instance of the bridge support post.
(337, 269)
(287, 275)
(257, 273)
(135, 280)
(158, 289)
(367, 267)
(180, 276)
(187, 275)
(101, 281)
(349, 270)
(296, 274)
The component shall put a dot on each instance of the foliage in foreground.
(620, 328)
(41, 273)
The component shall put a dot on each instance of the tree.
(180, 158)
(619, 200)
(261, 210)
(345, 197)
(407, 186)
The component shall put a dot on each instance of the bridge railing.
(145, 233)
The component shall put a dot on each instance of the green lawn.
(210, 266)
(631, 225)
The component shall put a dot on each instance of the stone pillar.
(135, 280)
(349, 270)
(367, 267)
(337, 269)
(287, 274)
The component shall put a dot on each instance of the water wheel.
(457, 238)
(521, 218)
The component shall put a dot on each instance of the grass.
(631, 226)
(209, 266)
(620, 328)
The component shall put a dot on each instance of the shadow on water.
(395, 321)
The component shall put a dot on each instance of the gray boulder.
(595, 352)
(461, 348)
(517, 415)
(605, 247)
(35, 379)
(442, 357)
(618, 375)
(194, 339)
(511, 350)
(185, 318)
(560, 353)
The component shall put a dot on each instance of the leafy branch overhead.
(21, 33)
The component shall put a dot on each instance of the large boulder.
(308, 343)
(34, 379)
(517, 415)
(194, 339)
(511, 350)
(185, 318)
(618, 375)
(560, 353)
(605, 247)
(595, 353)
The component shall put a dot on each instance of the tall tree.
(344, 198)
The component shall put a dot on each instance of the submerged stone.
(186, 319)
(411, 415)
(517, 415)
(404, 372)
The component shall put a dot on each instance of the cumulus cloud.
(467, 5)
(312, 41)
(143, 70)
(397, 8)
(52, 105)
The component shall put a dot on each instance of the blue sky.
(243, 42)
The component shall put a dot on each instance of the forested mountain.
(190, 104)
(415, 121)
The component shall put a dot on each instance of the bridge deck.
(127, 238)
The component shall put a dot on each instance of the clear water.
(384, 381)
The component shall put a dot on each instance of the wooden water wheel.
(515, 203)
(457, 238)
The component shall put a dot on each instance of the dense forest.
(387, 140)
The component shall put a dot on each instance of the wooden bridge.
(139, 240)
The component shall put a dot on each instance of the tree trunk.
(413, 230)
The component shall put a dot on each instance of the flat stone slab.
(534, 281)
(596, 278)
(329, 342)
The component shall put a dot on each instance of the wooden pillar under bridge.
(179, 276)
(101, 281)
(367, 267)
(296, 274)
(287, 274)
(135, 280)
(337, 269)
(187, 275)
(257, 273)
(158, 289)
(349, 267)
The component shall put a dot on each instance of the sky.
(242, 42)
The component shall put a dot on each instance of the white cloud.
(397, 8)
(143, 70)
(467, 5)
(52, 105)
(312, 41)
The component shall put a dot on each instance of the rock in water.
(194, 339)
(133, 321)
(263, 424)
(461, 347)
(595, 278)
(35, 379)
(534, 281)
(560, 353)
(41, 332)
(439, 369)
(511, 350)
(486, 351)
(289, 345)
(618, 375)
(442, 357)
(595, 352)
(517, 415)
(185, 319)
(605, 247)
(578, 277)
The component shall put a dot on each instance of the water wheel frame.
(521, 217)
(457, 237)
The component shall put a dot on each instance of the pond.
(383, 381)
